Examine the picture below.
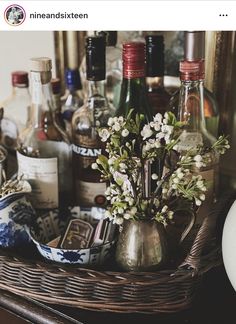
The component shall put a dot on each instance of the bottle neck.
(156, 82)
(191, 106)
(20, 91)
(133, 96)
(96, 88)
(42, 98)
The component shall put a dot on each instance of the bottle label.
(89, 189)
(42, 174)
(189, 140)
(90, 193)
(36, 88)
(134, 74)
(9, 133)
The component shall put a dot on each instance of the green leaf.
(103, 161)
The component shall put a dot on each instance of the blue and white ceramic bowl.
(51, 226)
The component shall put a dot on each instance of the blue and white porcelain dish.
(15, 212)
(50, 226)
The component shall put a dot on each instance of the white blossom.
(118, 220)
(116, 127)
(164, 209)
(154, 176)
(110, 121)
(125, 133)
(198, 202)
(127, 216)
(157, 117)
(94, 166)
(146, 132)
(104, 134)
(202, 197)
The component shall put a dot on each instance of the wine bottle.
(85, 123)
(16, 110)
(157, 95)
(133, 88)
(43, 154)
(194, 51)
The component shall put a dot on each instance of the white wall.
(16, 49)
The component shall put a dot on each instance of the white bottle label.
(188, 140)
(43, 177)
(90, 193)
(9, 133)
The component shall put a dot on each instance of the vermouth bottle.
(44, 153)
(194, 51)
(157, 95)
(133, 89)
(191, 111)
(95, 113)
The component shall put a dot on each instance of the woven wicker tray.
(162, 291)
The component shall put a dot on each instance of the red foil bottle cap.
(20, 78)
(191, 70)
(134, 60)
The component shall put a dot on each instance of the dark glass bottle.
(195, 51)
(157, 95)
(85, 124)
(133, 90)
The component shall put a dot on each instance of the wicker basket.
(163, 291)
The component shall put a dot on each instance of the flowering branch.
(130, 145)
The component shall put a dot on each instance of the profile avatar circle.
(14, 15)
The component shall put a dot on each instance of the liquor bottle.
(157, 95)
(133, 89)
(194, 133)
(113, 67)
(16, 110)
(43, 154)
(85, 123)
(72, 98)
(194, 51)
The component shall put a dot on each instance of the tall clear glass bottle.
(133, 89)
(72, 99)
(16, 110)
(113, 67)
(157, 95)
(191, 111)
(43, 155)
(85, 123)
(195, 51)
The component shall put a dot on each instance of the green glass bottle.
(133, 90)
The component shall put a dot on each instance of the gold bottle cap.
(41, 64)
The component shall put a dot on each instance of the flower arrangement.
(148, 178)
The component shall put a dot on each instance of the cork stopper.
(41, 64)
